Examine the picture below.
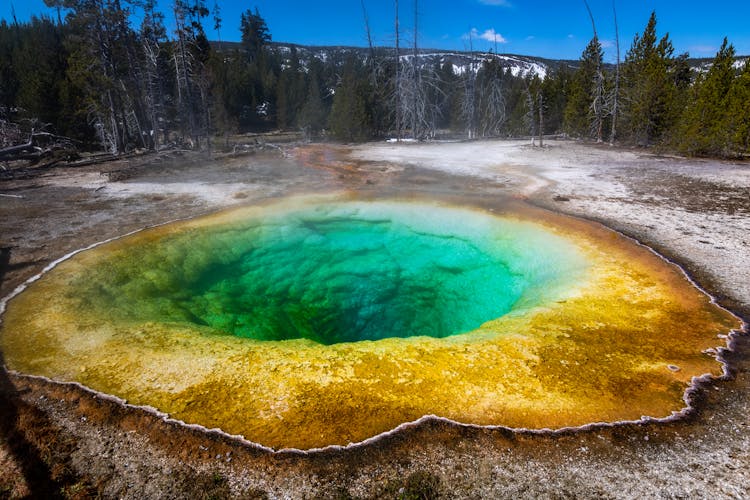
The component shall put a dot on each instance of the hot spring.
(337, 273)
(324, 321)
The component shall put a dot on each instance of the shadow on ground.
(30, 436)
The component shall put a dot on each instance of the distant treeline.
(97, 78)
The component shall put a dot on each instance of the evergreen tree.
(9, 83)
(263, 70)
(381, 81)
(649, 88)
(95, 78)
(739, 111)
(519, 101)
(583, 114)
(255, 34)
(708, 119)
(39, 60)
(223, 111)
(290, 92)
(554, 91)
(351, 119)
(313, 115)
(100, 64)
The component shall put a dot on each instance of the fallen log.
(32, 149)
(13, 152)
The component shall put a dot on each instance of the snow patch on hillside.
(460, 62)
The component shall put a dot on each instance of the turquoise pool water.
(337, 272)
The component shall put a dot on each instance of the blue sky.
(547, 28)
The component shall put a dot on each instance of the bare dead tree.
(417, 89)
(153, 34)
(58, 5)
(597, 102)
(490, 99)
(529, 116)
(216, 14)
(113, 132)
(154, 90)
(183, 69)
(192, 79)
(14, 152)
(432, 96)
(381, 81)
(13, 14)
(616, 91)
(132, 80)
(38, 144)
(130, 112)
(367, 29)
(468, 100)
(107, 63)
(415, 75)
(398, 80)
(373, 62)
(541, 119)
(423, 93)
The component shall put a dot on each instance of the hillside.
(519, 65)
(461, 61)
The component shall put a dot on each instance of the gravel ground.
(62, 439)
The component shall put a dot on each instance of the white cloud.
(490, 35)
(529, 38)
(607, 44)
(498, 3)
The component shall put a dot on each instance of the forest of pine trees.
(95, 77)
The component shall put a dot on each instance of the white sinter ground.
(691, 207)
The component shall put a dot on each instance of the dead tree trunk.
(367, 31)
(616, 92)
(183, 69)
(597, 105)
(490, 100)
(529, 116)
(38, 144)
(154, 94)
(469, 103)
(14, 151)
(541, 119)
(116, 136)
(415, 76)
(398, 80)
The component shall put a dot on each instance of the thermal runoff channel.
(325, 321)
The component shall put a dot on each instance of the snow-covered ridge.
(703, 65)
(461, 62)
